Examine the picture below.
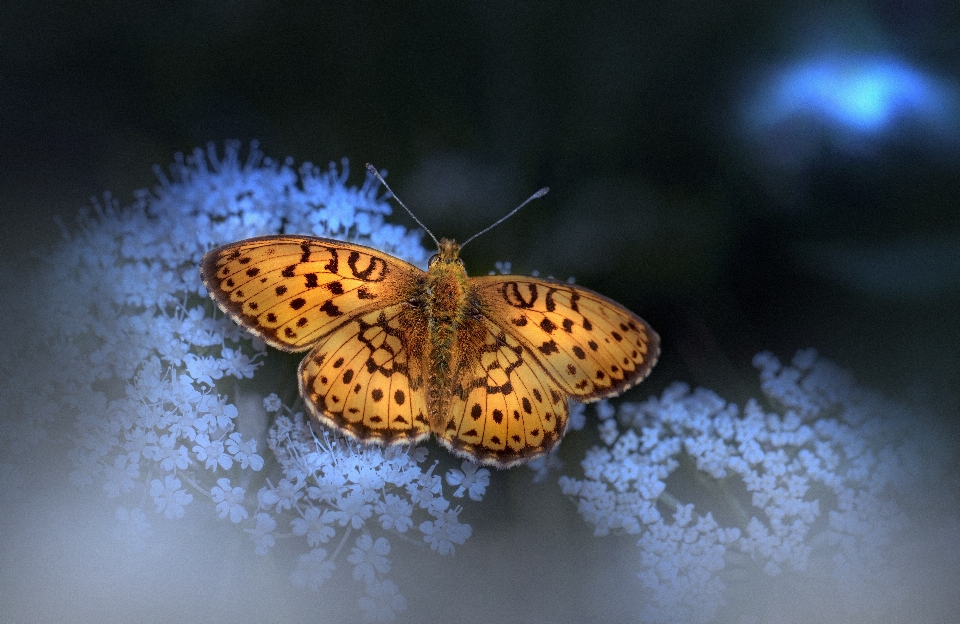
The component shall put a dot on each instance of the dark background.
(727, 241)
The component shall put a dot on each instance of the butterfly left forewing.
(591, 346)
(292, 290)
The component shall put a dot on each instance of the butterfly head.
(449, 252)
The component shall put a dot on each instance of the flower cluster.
(815, 484)
(158, 383)
(332, 486)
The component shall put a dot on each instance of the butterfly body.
(397, 353)
(449, 306)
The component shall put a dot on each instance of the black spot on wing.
(548, 348)
(330, 308)
(547, 325)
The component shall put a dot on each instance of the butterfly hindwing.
(591, 346)
(292, 290)
(503, 408)
(367, 378)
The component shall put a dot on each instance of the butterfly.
(396, 353)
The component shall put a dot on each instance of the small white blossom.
(445, 531)
(119, 478)
(313, 569)
(355, 508)
(272, 403)
(471, 479)
(369, 558)
(244, 451)
(237, 363)
(229, 501)
(169, 497)
(394, 513)
(382, 602)
(262, 533)
(203, 369)
(212, 453)
(315, 524)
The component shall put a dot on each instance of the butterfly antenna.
(374, 171)
(536, 195)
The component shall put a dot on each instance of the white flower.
(284, 496)
(212, 453)
(355, 508)
(394, 513)
(471, 479)
(119, 478)
(315, 524)
(169, 497)
(262, 534)
(244, 451)
(369, 558)
(313, 569)
(272, 403)
(237, 363)
(168, 454)
(445, 531)
(203, 369)
(217, 413)
(229, 500)
(382, 602)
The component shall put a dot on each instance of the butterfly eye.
(433, 259)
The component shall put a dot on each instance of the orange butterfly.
(485, 363)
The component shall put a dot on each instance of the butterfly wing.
(503, 409)
(367, 377)
(365, 374)
(293, 290)
(590, 346)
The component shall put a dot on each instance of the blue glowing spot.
(859, 93)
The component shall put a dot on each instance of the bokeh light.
(851, 98)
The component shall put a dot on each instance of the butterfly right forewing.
(591, 346)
